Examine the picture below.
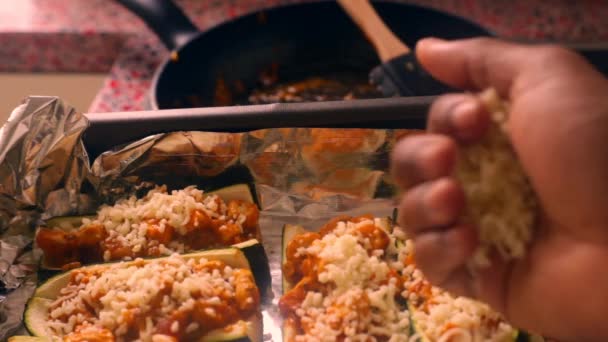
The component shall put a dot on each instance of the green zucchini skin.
(36, 309)
(523, 336)
(289, 232)
(240, 192)
(249, 338)
(258, 260)
(28, 339)
(67, 223)
(414, 326)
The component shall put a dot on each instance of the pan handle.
(167, 20)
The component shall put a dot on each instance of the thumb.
(479, 63)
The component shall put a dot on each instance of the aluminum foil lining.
(302, 176)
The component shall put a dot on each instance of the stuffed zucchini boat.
(203, 296)
(436, 315)
(339, 283)
(160, 223)
(356, 279)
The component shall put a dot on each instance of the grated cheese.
(361, 305)
(500, 200)
(363, 295)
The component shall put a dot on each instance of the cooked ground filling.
(170, 299)
(158, 224)
(314, 89)
(339, 86)
(353, 282)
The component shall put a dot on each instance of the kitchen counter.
(101, 36)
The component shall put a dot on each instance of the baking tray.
(107, 130)
(68, 185)
(46, 128)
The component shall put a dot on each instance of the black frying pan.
(311, 39)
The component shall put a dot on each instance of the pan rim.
(152, 96)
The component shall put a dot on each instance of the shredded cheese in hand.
(500, 201)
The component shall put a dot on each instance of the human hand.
(558, 126)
